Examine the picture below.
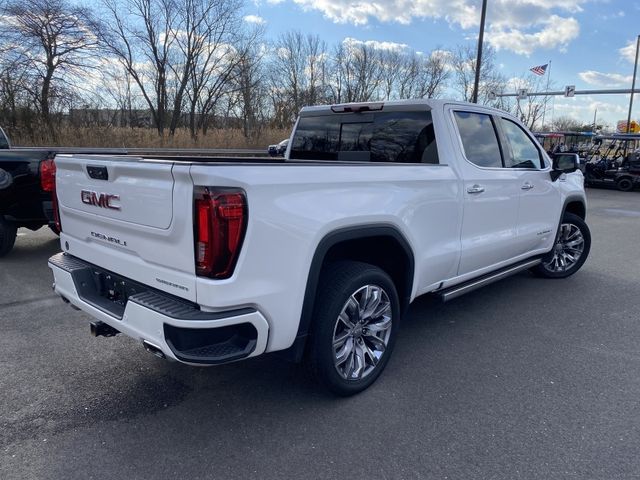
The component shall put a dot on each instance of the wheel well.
(577, 208)
(382, 251)
(380, 245)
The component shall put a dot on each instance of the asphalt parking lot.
(526, 378)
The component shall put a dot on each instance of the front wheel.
(356, 319)
(570, 250)
(624, 184)
(8, 233)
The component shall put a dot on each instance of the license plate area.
(105, 290)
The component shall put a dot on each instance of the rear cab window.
(390, 137)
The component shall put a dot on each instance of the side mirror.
(564, 163)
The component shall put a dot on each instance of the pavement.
(525, 378)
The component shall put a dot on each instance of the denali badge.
(102, 200)
(106, 238)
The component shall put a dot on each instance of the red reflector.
(220, 223)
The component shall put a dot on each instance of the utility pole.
(476, 83)
(633, 84)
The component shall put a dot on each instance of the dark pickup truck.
(27, 199)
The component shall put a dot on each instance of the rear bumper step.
(211, 346)
(175, 328)
(459, 290)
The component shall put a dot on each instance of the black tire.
(624, 184)
(8, 233)
(549, 268)
(338, 282)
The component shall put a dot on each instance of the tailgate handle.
(98, 173)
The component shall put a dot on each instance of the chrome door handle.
(527, 186)
(475, 189)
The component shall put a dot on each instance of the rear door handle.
(527, 186)
(475, 189)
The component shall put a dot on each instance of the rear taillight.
(48, 175)
(220, 222)
(48, 184)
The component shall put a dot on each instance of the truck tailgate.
(118, 212)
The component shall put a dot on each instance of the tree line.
(197, 64)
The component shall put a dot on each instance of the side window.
(524, 153)
(479, 139)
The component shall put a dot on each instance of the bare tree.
(141, 34)
(214, 59)
(394, 65)
(424, 76)
(434, 74)
(297, 74)
(356, 73)
(54, 41)
(249, 98)
(177, 52)
(531, 109)
(464, 67)
(567, 124)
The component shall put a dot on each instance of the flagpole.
(544, 110)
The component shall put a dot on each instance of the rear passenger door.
(491, 193)
(540, 201)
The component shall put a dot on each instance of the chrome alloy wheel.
(362, 332)
(567, 250)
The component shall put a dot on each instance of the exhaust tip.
(151, 348)
(101, 329)
(66, 300)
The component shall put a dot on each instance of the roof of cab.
(395, 105)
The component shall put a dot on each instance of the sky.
(588, 43)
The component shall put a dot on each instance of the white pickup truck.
(318, 255)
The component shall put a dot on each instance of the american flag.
(540, 69)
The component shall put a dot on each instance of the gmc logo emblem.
(102, 200)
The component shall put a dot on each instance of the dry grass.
(116, 137)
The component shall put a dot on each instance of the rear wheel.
(624, 184)
(8, 232)
(354, 328)
(570, 249)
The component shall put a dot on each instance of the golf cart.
(614, 161)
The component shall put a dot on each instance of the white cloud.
(255, 19)
(376, 45)
(531, 24)
(582, 109)
(613, 16)
(556, 32)
(629, 52)
(605, 79)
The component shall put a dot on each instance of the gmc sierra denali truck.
(316, 255)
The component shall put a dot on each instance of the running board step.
(458, 290)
